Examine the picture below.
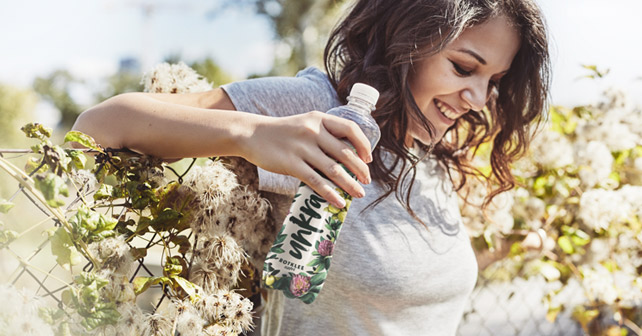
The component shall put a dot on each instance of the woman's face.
(461, 77)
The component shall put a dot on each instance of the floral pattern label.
(299, 259)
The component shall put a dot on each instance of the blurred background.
(59, 57)
(75, 53)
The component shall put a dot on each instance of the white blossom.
(599, 208)
(174, 78)
(551, 149)
(595, 163)
(19, 313)
(598, 281)
(497, 216)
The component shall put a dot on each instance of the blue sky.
(89, 37)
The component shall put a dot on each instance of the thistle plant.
(117, 211)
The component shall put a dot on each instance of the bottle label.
(299, 259)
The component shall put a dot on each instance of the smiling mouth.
(446, 111)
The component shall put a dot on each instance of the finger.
(344, 154)
(333, 171)
(322, 186)
(343, 128)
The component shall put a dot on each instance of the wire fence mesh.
(503, 308)
(495, 308)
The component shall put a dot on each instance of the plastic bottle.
(300, 257)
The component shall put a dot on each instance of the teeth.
(450, 114)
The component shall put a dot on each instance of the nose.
(475, 96)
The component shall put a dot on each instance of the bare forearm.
(166, 126)
(204, 124)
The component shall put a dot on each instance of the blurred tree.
(16, 109)
(55, 88)
(120, 82)
(301, 28)
(211, 71)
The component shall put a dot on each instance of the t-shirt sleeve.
(309, 91)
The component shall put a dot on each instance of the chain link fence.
(496, 308)
(507, 308)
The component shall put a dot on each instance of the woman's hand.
(306, 144)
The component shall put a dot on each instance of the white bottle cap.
(365, 92)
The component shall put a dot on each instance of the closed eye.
(460, 70)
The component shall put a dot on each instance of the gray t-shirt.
(390, 275)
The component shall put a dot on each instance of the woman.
(404, 264)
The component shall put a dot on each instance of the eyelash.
(462, 72)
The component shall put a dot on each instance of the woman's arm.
(205, 124)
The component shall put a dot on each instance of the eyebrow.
(473, 54)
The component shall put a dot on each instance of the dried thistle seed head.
(114, 255)
(157, 325)
(20, 311)
(174, 78)
(213, 182)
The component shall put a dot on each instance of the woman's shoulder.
(309, 90)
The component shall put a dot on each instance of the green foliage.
(52, 187)
(64, 249)
(581, 190)
(87, 141)
(163, 208)
(56, 89)
(16, 108)
(117, 83)
(211, 71)
(86, 299)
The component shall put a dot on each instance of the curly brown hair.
(376, 44)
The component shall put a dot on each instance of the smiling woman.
(404, 265)
(461, 78)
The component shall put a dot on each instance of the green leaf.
(182, 242)
(141, 284)
(52, 187)
(166, 220)
(138, 252)
(7, 236)
(33, 163)
(36, 131)
(83, 139)
(105, 191)
(308, 297)
(280, 239)
(63, 248)
(78, 159)
(314, 262)
(318, 278)
(50, 315)
(191, 289)
(580, 238)
(5, 205)
(565, 244)
(174, 266)
(91, 226)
